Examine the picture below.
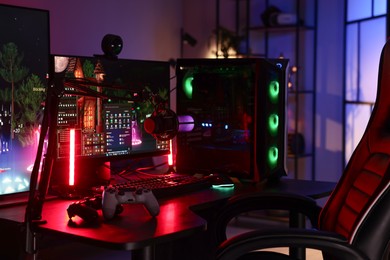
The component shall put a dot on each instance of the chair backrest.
(364, 186)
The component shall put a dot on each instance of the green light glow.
(274, 90)
(273, 155)
(187, 86)
(223, 186)
(273, 123)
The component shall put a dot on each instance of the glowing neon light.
(136, 142)
(273, 154)
(273, 124)
(223, 186)
(187, 86)
(71, 156)
(170, 155)
(186, 123)
(135, 136)
(274, 90)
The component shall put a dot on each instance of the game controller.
(112, 197)
(86, 209)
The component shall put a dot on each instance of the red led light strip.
(71, 156)
(170, 155)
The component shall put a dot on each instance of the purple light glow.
(135, 136)
(186, 123)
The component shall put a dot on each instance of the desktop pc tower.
(236, 111)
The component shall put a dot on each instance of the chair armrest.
(332, 243)
(262, 201)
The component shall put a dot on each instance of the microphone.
(163, 124)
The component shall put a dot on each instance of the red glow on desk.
(170, 215)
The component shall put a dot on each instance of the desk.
(134, 229)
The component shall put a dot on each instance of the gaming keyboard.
(167, 185)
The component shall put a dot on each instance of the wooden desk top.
(134, 228)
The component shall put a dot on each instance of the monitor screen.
(24, 65)
(101, 113)
(237, 108)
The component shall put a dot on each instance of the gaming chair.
(355, 221)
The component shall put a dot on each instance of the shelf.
(254, 55)
(298, 43)
(359, 102)
(281, 29)
(294, 92)
(293, 156)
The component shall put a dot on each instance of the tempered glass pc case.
(238, 109)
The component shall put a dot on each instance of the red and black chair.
(355, 221)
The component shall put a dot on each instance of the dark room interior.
(184, 129)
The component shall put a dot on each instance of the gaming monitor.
(104, 104)
(238, 112)
(24, 65)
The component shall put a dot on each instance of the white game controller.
(112, 197)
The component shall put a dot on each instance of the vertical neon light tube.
(71, 156)
(170, 155)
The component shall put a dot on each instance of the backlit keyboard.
(167, 185)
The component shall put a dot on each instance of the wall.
(329, 131)
(199, 21)
(150, 29)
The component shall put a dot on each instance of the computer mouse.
(220, 180)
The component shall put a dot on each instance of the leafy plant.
(28, 99)
(12, 72)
